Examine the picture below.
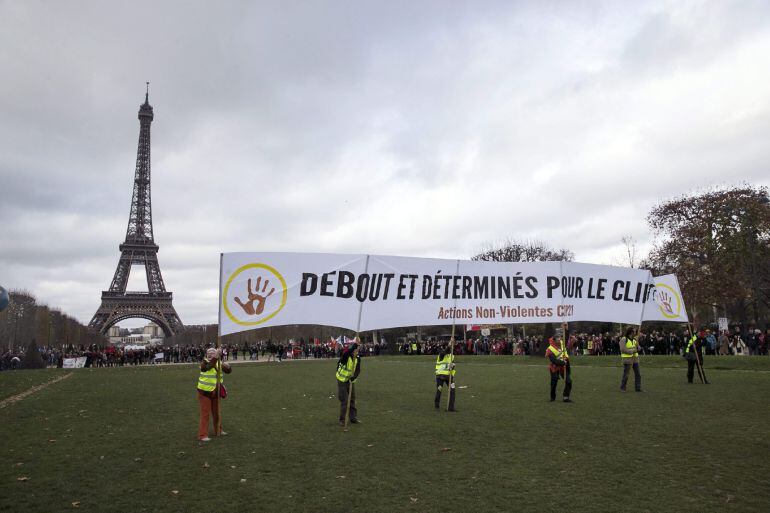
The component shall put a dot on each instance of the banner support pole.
(218, 427)
(452, 348)
(701, 374)
(355, 341)
(347, 408)
(644, 304)
(564, 327)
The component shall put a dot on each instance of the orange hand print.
(259, 296)
(665, 301)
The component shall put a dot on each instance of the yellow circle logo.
(251, 291)
(668, 301)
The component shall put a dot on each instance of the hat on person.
(211, 351)
(353, 347)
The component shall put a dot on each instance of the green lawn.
(125, 439)
(16, 382)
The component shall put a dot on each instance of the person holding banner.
(445, 365)
(348, 369)
(694, 355)
(208, 400)
(629, 355)
(559, 367)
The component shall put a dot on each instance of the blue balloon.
(4, 299)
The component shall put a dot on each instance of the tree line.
(25, 321)
(717, 242)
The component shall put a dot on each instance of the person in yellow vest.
(208, 400)
(694, 355)
(445, 365)
(558, 365)
(348, 369)
(413, 348)
(629, 355)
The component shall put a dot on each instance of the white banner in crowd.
(74, 363)
(366, 292)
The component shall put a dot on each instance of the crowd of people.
(654, 343)
(119, 356)
(755, 342)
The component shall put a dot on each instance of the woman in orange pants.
(208, 399)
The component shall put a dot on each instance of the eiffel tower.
(139, 248)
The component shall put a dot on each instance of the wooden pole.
(451, 365)
(695, 352)
(641, 319)
(355, 341)
(452, 349)
(347, 409)
(697, 358)
(350, 396)
(564, 327)
(218, 427)
(565, 349)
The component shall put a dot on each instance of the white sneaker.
(205, 439)
(223, 433)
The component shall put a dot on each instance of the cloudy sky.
(419, 128)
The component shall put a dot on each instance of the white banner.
(723, 324)
(366, 292)
(74, 363)
(666, 302)
(159, 356)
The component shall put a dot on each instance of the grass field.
(124, 439)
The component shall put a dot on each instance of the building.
(151, 334)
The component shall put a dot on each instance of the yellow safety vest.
(630, 343)
(690, 343)
(443, 365)
(346, 371)
(559, 353)
(207, 380)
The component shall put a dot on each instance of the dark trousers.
(637, 376)
(691, 364)
(342, 394)
(567, 381)
(440, 382)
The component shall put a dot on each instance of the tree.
(631, 256)
(526, 251)
(43, 324)
(522, 251)
(17, 322)
(25, 320)
(718, 244)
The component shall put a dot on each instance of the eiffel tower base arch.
(118, 307)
